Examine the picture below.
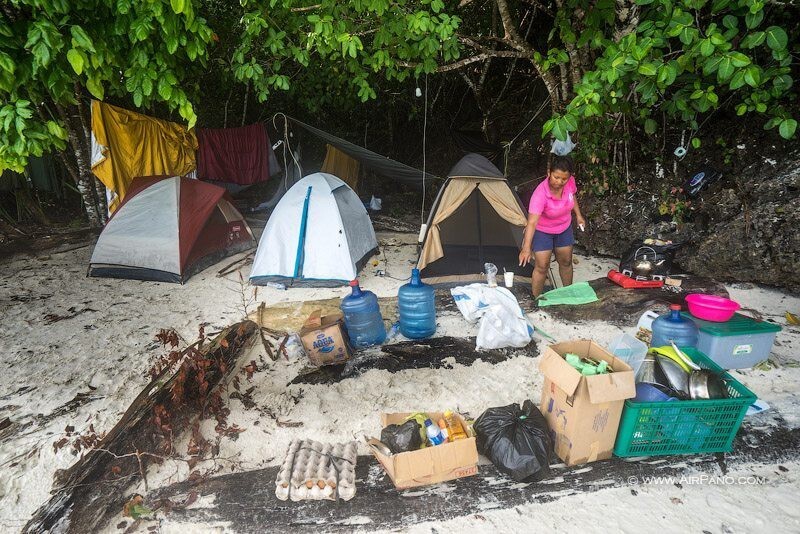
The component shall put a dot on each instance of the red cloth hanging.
(236, 155)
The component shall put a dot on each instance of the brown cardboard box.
(430, 465)
(583, 412)
(323, 339)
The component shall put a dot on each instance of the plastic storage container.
(673, 326)
(362, 318)
(685, 426)
(630, 350)
(415, 303)
(739, 343)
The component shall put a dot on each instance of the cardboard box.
(323, 339)
(430, 465)
(583, 412)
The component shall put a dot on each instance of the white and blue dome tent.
(319, 235)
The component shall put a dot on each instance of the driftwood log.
(88, 494)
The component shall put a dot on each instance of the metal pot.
(704, 384)
(642, 267)
(677, 377)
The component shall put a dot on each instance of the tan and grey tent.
(476, 219)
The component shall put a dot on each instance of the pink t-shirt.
(555, 214)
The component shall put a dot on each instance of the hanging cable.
(286, 146)
(507, 146)
(424, 139)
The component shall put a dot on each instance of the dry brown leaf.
(792, 319)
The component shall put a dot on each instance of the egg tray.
(315, 471)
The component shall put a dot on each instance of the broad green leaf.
(547, 126)
(95, 87)
(696, 142)
(782, 82)
(711, 66)
(172, 44)
(650, 126)
(753, 40)
(752, 76)
(719, 5)
(761, 107)
(560, 130)
(787, 128)
(6, 63)
(737, 81)
(647, 69)
(725, 70)
(739, 59)
(81, 38)
(706, 47)
(776, 38)
(178, 5)
(76, 60)
(731, 22)
(753, 19)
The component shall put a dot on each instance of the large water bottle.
(362, 318)
(673, 327)
(415, 302)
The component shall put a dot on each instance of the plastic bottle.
(673, 327)
(415, 302)
(434, 433)
(362, 318)
(443, 429)
(454, 428)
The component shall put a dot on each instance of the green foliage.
(683, 60)
(144, 50)
(340, 45)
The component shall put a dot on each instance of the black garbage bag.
(402, 438)
(659, 259)
(516, 440)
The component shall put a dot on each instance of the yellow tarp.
(342, 166)
(133, 145)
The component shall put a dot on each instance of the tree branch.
(511, 36)
(466, 61)
(541, 7)
(307, 8)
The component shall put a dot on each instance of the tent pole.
(301, 243)
(478, 217)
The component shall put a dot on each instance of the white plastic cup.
(509, 279)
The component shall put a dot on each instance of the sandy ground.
(102, 354)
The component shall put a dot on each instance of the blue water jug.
(362, 318)
(672, 327)
(415, 302)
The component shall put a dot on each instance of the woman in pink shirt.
(550, 224)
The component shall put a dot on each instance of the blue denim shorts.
(543, 241)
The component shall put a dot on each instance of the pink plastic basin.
(711, 307)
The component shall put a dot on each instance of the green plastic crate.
(686, 426)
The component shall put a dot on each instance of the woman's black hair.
(562, 163)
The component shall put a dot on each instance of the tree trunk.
(81, 171)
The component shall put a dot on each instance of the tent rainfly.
(319, 235)
(476, 219)
(167, 229)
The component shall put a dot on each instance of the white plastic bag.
(500, 327)
(502, 323)
(562, 148)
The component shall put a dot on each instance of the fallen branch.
(93, 490)
(228, 269)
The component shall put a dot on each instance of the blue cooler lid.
(736, 326)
